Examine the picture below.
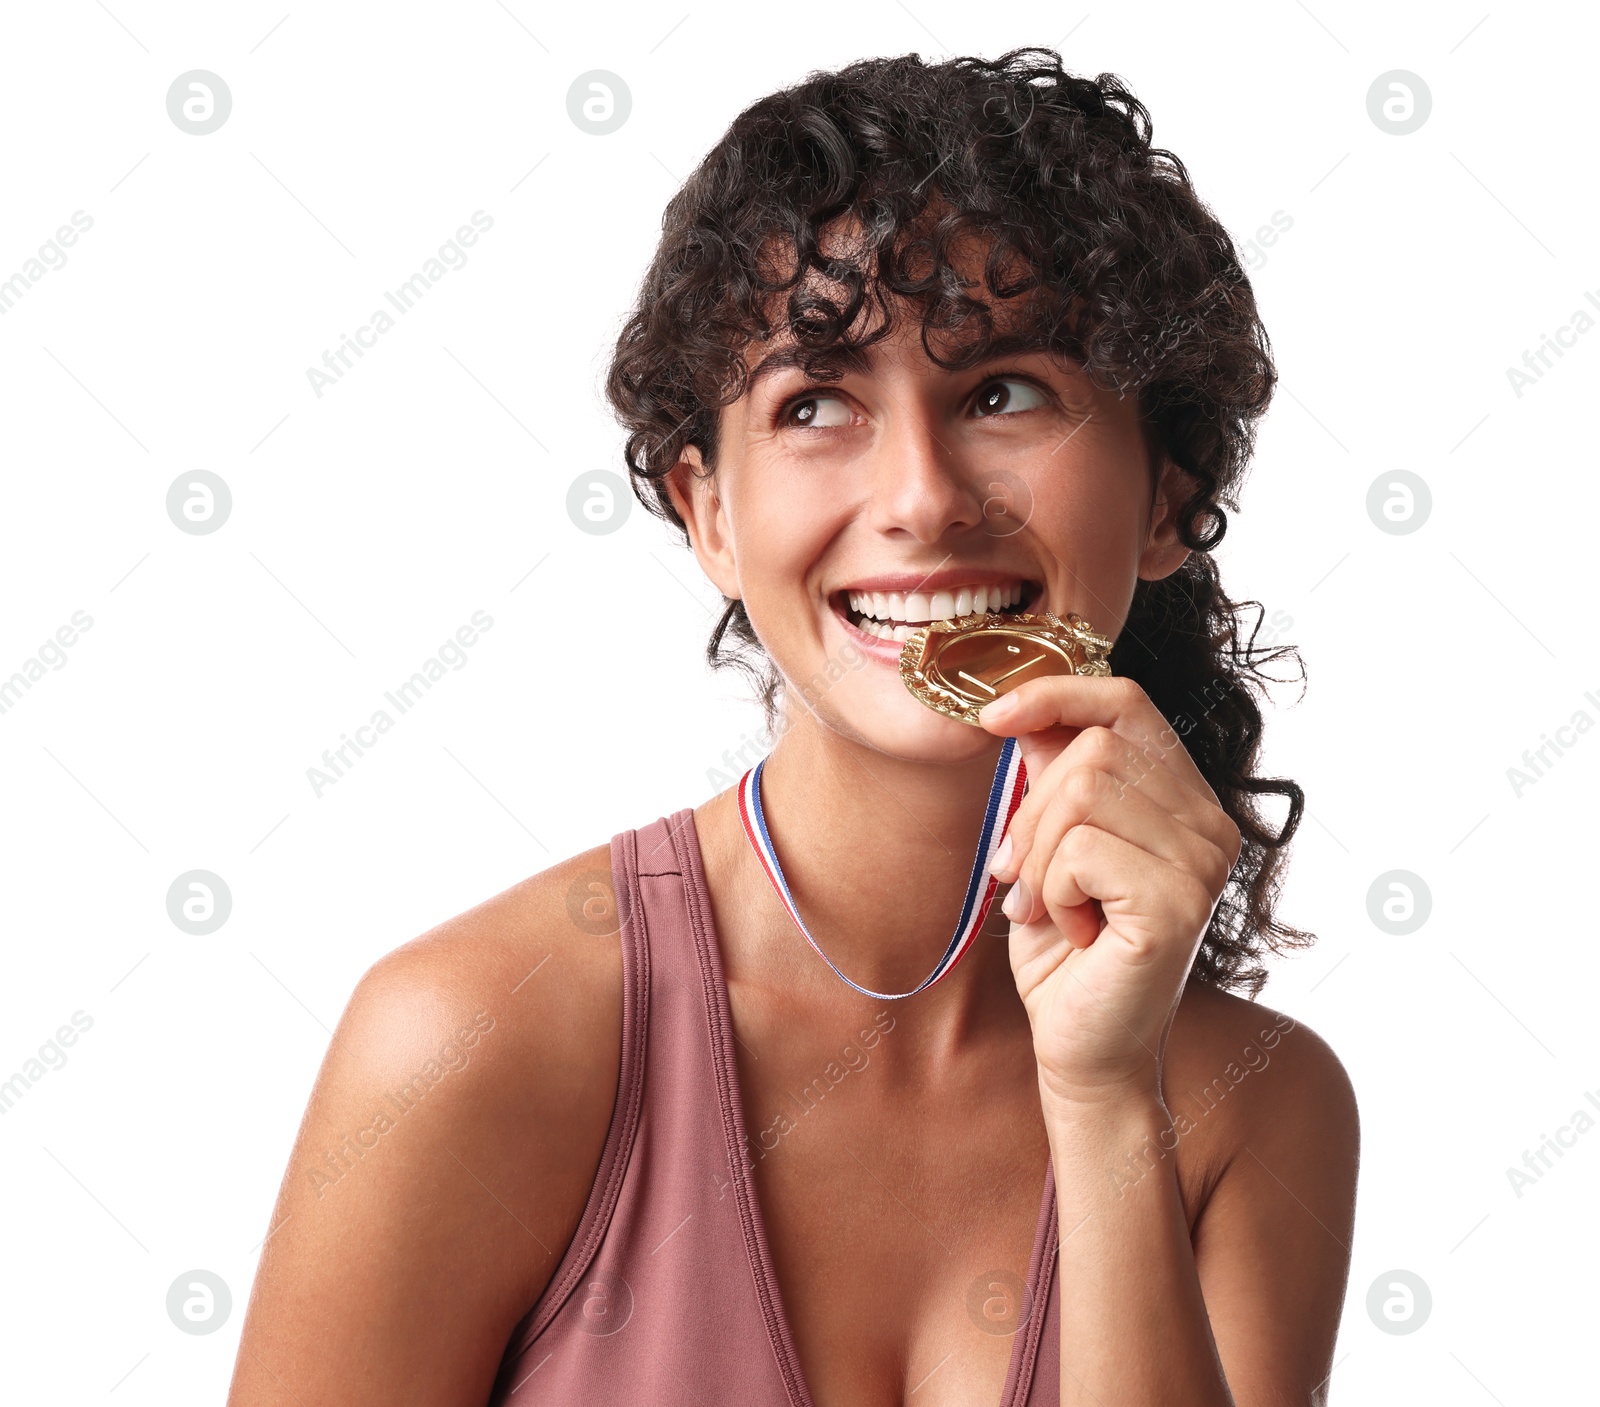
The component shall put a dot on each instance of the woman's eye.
(999, 397)
(817, 412)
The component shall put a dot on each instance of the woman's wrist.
(1098, 1116)
(1102, 1149)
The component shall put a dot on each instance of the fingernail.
(1002, 857)
(1017, 902)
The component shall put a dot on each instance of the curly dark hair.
(1098, 250)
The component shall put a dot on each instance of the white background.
(431, 481)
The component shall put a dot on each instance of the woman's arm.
(1244, 1307)
(443, 1161)
(1117, 859)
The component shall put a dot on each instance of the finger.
(1082, 701)
(1088, 795)
(1132, 887)
(1050, 940)
(1038, 949)
(1165, 752)
(1130, 768)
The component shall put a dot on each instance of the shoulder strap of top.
(1035, 1375)
(591, 1228)
(741, 1167)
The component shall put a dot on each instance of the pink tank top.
(667, 1294)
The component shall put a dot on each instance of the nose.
(920, 487)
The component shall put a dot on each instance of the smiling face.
(845, 513)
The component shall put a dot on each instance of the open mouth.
(894, 615)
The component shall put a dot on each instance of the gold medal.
(957, 666)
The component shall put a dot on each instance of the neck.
(877, 852)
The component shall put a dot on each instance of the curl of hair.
(1097, 249)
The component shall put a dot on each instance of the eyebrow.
(843, 357)
(847, 357)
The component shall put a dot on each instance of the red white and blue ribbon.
(1010, 781)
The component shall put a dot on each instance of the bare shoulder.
(1238, 1075)
(542, 960)
(1252, 1064)
(1268, 1147)
(446, 1153)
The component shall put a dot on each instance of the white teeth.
(884, 631)
(892, 610)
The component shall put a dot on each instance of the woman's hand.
(1119, 853)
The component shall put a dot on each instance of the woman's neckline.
(753, 1222)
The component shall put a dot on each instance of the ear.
(1163, 552)
(694, 494)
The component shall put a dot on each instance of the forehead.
(945, 276)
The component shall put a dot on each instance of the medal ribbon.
(1010, 781)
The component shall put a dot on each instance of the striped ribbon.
(1010, 781)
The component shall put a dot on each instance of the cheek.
(781, 536)
(1088, 521)
(776, 543)
(792, 504)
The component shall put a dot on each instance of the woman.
(919, 341)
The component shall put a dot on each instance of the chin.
(870, 704)
(927, 737)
